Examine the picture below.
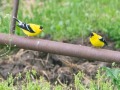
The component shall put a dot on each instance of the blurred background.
(66, 19)
(69, 21)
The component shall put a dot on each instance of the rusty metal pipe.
(61, 48)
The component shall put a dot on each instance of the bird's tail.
(17, 19)
(20, 23)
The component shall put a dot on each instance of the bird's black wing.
(103, 40)
(26, 27)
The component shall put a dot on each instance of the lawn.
(68, 20)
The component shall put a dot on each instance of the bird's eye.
(41, 27)
(91, 34)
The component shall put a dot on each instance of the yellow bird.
(29, 29)
(97, 40)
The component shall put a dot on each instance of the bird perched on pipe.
(29, 29)
(97, 40)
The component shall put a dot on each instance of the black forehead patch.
(91, 34)
(41, 27)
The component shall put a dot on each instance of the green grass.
(114, 75)
(101, 82)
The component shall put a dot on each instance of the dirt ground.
(53, 67)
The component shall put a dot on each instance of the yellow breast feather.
(35, 28)
(97, 40)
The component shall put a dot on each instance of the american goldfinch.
(97, 40)
(29, 29)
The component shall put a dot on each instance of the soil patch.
(53, 67)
